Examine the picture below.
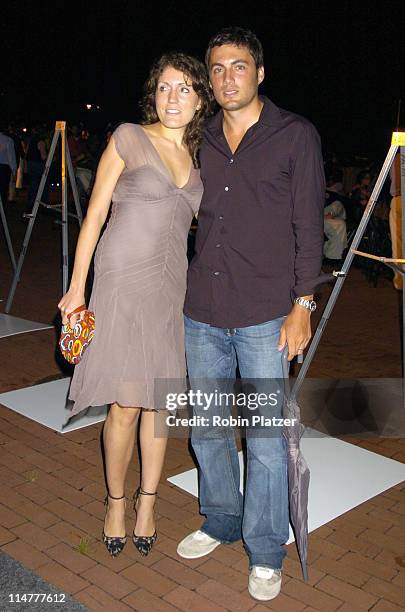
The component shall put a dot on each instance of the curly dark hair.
(233, 35)
(195, 71)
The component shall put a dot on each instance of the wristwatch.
(308, 304)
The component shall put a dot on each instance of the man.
(8, 164)
(259, 246)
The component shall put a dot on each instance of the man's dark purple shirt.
(260, 225)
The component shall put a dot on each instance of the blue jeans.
(261, 516)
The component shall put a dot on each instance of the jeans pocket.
(192, 325)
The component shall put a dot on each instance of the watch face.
(312, 306)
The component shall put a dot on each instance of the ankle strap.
(140, 491)
(112, 497)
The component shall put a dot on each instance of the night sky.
(341, 64)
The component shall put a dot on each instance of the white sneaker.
(197, 544)
(264, 582)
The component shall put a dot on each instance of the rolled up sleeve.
(308, 194)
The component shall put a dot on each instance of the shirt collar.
(270, 116)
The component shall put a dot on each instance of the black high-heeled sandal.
(143, 543)
(114, 544)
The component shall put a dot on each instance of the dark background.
(341, 64)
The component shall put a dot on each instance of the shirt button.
(216, 273)
(231, 160)
(218, 245)
(220, 217)
(226, 188)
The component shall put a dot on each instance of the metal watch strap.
(305, 303)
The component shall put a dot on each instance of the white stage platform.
(10, 326)
(342, 477)
(46, 404)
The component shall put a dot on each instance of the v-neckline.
(166, 169)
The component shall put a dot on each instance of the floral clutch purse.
(74, 341)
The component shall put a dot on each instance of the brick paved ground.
(52, 485)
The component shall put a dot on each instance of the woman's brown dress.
(140, 282)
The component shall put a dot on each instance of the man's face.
(234, 77)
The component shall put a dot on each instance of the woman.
(150, 173)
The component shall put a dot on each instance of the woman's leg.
(119, 439)
(153, 451)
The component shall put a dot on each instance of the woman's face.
(175, 99)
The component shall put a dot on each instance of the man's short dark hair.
(240, 37)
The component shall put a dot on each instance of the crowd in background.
(348, 190)
(349, 183)
(27, 151)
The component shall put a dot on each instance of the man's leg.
(266, 519)
(210, 360)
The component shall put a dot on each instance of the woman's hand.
(71, 300)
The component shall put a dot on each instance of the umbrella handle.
(289, 394)
(286, 371)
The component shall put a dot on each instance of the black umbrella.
(298, 471)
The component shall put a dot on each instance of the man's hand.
(296, 331)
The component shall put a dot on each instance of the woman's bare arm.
(109, 169)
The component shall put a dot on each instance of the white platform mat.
(342, 476)
(10, 326)
(46, 404)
